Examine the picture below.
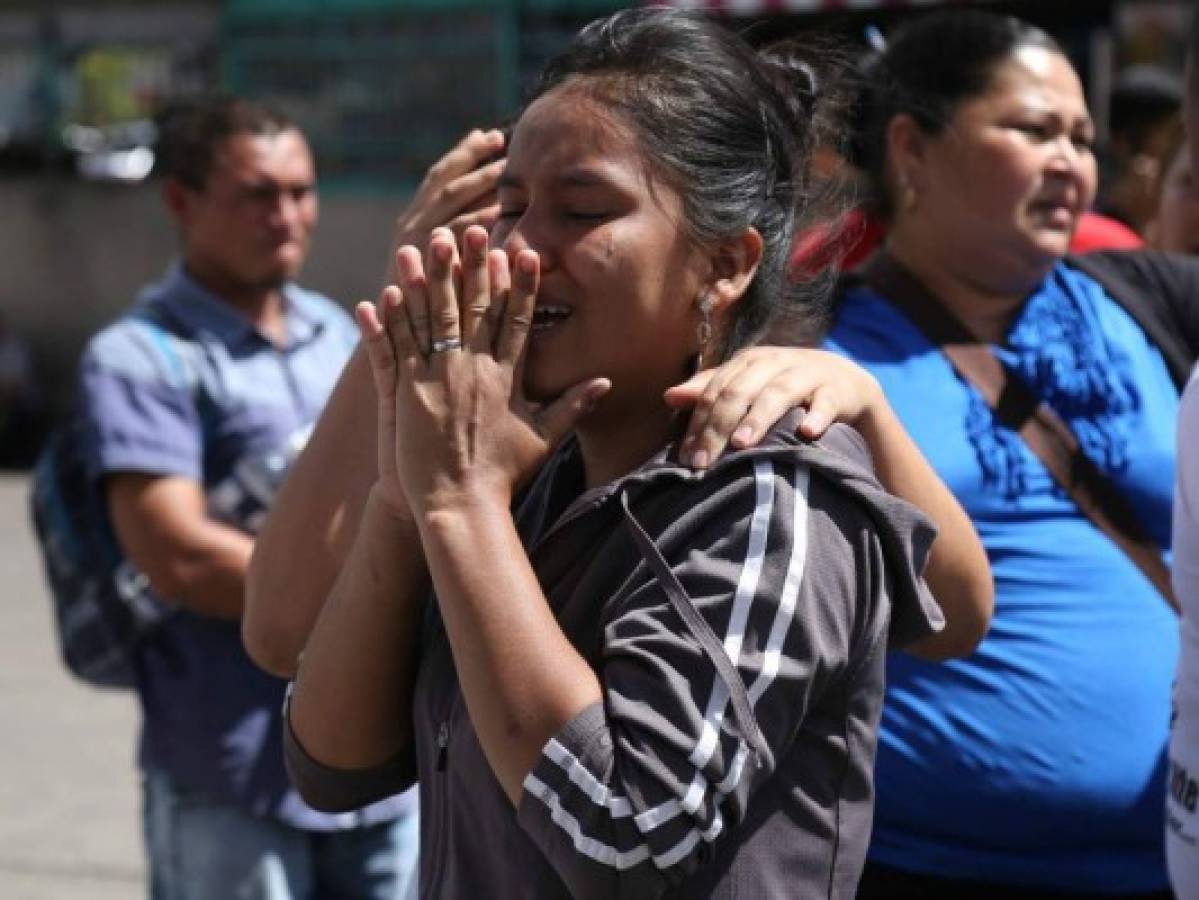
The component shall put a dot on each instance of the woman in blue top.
(1037, 761)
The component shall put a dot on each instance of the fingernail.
(699, 459)
(744, 433)
(528, 264)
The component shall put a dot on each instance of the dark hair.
(191, 131)
(730, 130)
(1142, 99)
(930, 66)
(1193, 45)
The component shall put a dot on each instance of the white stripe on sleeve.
(747, 586)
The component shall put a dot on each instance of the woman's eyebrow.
(570, 178)
(581, 178)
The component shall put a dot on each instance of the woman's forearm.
(957, 572)
(312, 524)
(740, 400)
(315, 516)
(351, 706)
(521, 678)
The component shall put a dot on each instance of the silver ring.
(450, 343)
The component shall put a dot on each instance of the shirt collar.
(204, 311)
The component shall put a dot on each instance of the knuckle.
(384, 363)
(722, 421)
(736, 396)
(453, 191)
(472, 182)
(775, 392)
(439, 196)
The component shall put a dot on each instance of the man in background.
(198, 399)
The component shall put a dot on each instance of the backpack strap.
(164, 329)
(1019, 408)
(1122, 276)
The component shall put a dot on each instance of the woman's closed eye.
(1041, 132)
(1083, 141)
(585, 215)
(515, 212)
(1045, 132)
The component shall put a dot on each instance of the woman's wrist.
(381, 502)
(876, 418)
(461, 501)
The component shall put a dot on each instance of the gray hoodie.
(738, 620)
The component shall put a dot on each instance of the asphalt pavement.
(69, 795)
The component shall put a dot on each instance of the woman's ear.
(907, 147)
(734, 264)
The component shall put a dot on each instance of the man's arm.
(147, 445)
(163, 527)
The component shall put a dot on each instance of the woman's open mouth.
(548, 316)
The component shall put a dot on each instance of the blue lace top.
(1040, 758)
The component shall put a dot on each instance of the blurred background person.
(1145, 133)
(1175, 228)
(197, 400)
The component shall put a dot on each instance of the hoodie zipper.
(443, 743)
(439, 845)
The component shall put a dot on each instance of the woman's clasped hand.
(446, 349)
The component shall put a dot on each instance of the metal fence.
(377, 94)
(382, 88)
